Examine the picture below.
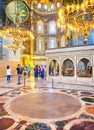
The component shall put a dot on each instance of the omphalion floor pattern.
(42, 105)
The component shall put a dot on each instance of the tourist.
(29, 70)
(36, 72)
(8, 73)
(19, 73)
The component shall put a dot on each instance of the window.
(58, 4)
(52, 7)
(52, 43)
(63, 41)
(52, 27)
(45, 7)
(39, 6)
(40, 47)
(40, 27)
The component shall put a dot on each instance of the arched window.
(52, 7)
(40, 47)
(84, 68)
(52, 27)
(68, 68)
(39, 6)
(40, 27)
(54, 68)
(58, 4)
(63, 41)
(45, 7)
(52, 43)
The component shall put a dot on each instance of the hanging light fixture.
(17, 12)
(79, 16)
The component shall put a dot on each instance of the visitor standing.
(36, 72)
(8, 73)
(42, 72)
(19, 72)
(45, 72)
(29, 70)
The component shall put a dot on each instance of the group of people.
(25, 70)
(39, 71)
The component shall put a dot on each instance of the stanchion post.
(52, 83)
(24, 80)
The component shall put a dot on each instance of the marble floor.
(44, 105)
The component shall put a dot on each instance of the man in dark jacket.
(19, 72)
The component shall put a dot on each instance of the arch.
(54, 68)
(68, 68)
(84, 68)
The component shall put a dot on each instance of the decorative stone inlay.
(45, 105)
(84, 125)
(86, 99)
(38, 126)
(90, 110)
(5, 123)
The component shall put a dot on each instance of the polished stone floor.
(42, 105)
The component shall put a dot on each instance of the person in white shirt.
(8, 73)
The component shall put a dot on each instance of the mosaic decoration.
(84, 125)
(5, 123)
(2, 110)
(90, 110)
(60, 123)
(85, 116)
(38, 126)
(86, 99)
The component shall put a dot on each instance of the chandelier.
(17, 12)
(16, 35)
(78, 16)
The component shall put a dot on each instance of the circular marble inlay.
(45, 105)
